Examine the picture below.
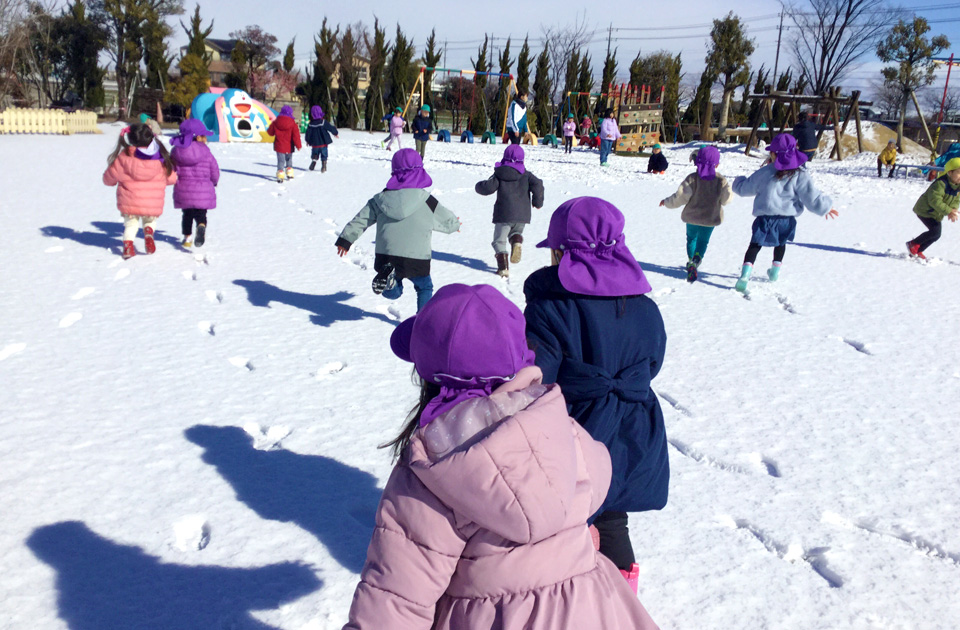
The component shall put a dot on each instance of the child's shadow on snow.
(676, 272)
(104, 585)
(271, 178)
(326, 309)
(466, 261)
(110, 235)
(334, 502)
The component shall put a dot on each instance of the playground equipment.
(831, 102)
(233, 115)
(417, 96)
(640, 119)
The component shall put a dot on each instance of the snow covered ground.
(189, 440)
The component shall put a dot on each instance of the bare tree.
(830, 37)
(887, 98)
(562, 42)
(933, 97)
(12, 42)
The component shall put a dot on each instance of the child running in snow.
(197, 176)
(286, 132)
(319, 133)
(141, 169)
(516, 188)
(598, 337)
(482, 523)
(569, 129)
(657, 163)
(782, 190)
(396, 129)
(941, 200)
(406, 216)
(702, 195)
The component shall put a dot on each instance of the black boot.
(503, 265)
(323, 167)
(313, 164)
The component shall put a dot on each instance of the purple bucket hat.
(408, 171)
(467, 339)
(316, 112)
(189, 129)
(596, 260)
(706, 161)
(788, 157)
(286, 110)
(513, 157)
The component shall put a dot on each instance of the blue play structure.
(443, 135)
(949, 154)
(467, 136)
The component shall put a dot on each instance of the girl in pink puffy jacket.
(482, 523)
(141, 169)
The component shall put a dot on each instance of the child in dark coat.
(197, 176)
(319, 133)
(516, 187)
(658, 161)
(422, 126)
(602, 340)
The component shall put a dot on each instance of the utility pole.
(776, 61)
(609, 37)
(444, 53)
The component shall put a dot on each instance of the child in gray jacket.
(704, 193)
(516, 187)
(406, 216)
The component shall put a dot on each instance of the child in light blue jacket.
(782, 190)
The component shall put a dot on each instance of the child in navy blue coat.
(602, 340)
(319, 133)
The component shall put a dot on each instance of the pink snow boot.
(632, 577)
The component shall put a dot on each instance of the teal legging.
(698, 237)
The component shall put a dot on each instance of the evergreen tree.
(289, 59)
(542, 87)
(523, 68)
(401, 73)
(431, 57)
(671, 95)
(316, 89)
(347, 80)
(238, 76)
(194, 66)
(567, 103)
(379, 51)
(607, 83)
(584, 84)
(780, 112)
(728, 56)
(84, 39)
(123, 19)
(759, 87)
(503, 89)
(478, 118)
(197, 35)
(700, 110)
(907, 46)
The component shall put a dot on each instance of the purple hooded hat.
(788, 157)
(513, 157)
(286, 110)
(189, 129)
(467, 339)
(316, 112)
(596, 260)
(706, 161)
(408, 171)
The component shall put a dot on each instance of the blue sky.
(659, 25)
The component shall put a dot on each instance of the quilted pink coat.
(492, 534)
(141, 184)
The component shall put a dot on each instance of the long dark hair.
(428, 391)
(140, 136)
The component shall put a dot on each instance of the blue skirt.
(773, 231)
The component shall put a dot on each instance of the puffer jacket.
(141, 184)
(197, 176)
(703, 199)
(889, 155)
(569, 129)
(785, 197)
(515, 193)
(609, 130)
(405, 220)
(286, 133)
(493, 533)
(940, 199)
(396, 125)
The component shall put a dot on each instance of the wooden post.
(837, 136)
(755, 125)
(768, 105)
(923, 122)
(856, 117)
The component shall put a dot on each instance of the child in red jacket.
(141, 169)
(287, 140)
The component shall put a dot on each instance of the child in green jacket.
(941, 200)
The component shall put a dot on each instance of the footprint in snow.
(390, 311)
(190, 275)
(70, 319)
(328, 370)
(331, 222)
(765, 464)
(207, 327)
(82, 293)
(214, 297)
(202, 259)
(266, 439)
(121, 274)
(53, 250)
(663, 292)
(191, 533)
(12, 349)
(896, 532)
(859, 346)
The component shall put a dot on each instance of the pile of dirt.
(875, 138)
